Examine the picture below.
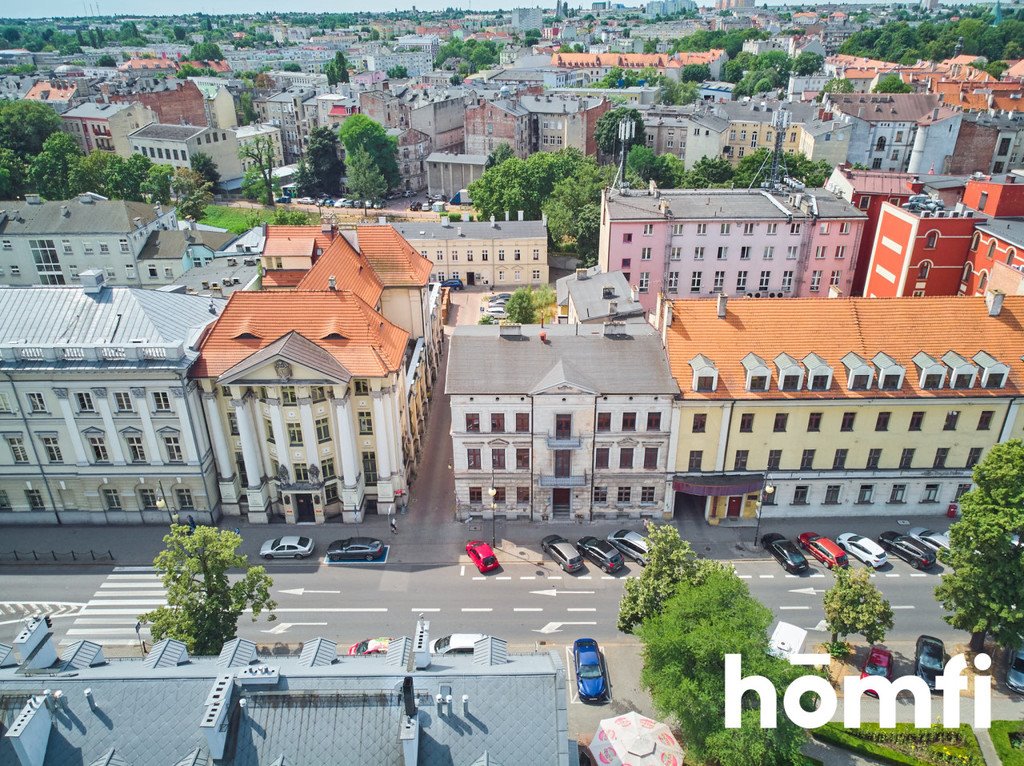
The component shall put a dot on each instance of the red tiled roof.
(394, 260)
(296, 240)
(351, 271)
(283, 278)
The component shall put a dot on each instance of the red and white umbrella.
(634, 740)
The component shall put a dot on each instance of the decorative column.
(152, 445)
(100, 395)
(380, 420)
(309, 439)
(225, 461)
(345, 443)
(69, 422)
(187, 436)
(397, 429)
(250, 450)
(280, 435)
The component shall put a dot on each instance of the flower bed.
(1008, 737)
(905, 745)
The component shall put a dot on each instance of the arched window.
(991, 248)
(924, 269)
(975, 240)
(1011, 254)
(967, 272)
(932, 240)
(880, 144)
(982, 281)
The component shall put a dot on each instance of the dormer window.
(759, 375)
(859, 373)
(963, 372)
(890, 374)
(819, 373)
(932, 372)
(993, 373)
(705, 374)
(791, 374)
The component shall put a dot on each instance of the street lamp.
(766, 492)
(162, 504)
(494, 529)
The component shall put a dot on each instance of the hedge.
(862, 741)
(1000, 732)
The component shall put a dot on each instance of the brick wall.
(183, 106)
(974, 148)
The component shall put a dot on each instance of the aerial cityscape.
(583, 384)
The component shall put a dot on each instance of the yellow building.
(839, 407)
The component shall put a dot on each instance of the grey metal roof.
(74, 216)
(114, 316)
(563, 104)
(91, 110)
(348, 712)
(110, 758)
(237, 653)
(633, 362)
(158, 131)
(724, 204)
(82, 654)
(417, 231)
(1009, 229)
(165, 244)
(168, 653)
(457, 159)
(588, 295)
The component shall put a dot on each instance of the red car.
(879, 663)
(370, 646)
(824, 550)
(482, 555)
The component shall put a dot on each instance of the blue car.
(590, 679)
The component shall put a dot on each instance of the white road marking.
(123, 584)
(902, 607)
(477, 609)
(790, 576)
(134, 569)
(503, 577)
(462, 571)
(609, 577)
(554, 577)
(97, 612)
(426, 609)
(744, 577)
(527, 577)
(892, 575)
(114, 594)
(584, 577)
(766, 577)
(793, 608)
(919, 574)
(128, 602)
(480, 577)
(334, 609)
(582, 609)
(103, 632)
(107, 620)
(528, 609)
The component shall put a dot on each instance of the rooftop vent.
(30, 732)
(510, 331)
(33, 645)
(7, 658)
(318, 653)
(168, 653)
(83, 654)
(213, 724)
(237, 653)
(490, 651)
(110, 758)
(92, 281)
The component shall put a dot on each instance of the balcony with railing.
(564, 440)
(570, 480)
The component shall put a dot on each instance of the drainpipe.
(183, 379)
(35, 450)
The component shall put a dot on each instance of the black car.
(915, 553)
(601, 552)
(785, 552)
(929, 659)
(355, 549)
(563, 552)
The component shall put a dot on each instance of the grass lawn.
(234, 219)
(1011, 751)
(907, 746)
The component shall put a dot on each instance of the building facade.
(450, 173)
(175, 145)
(106, 127)
(887, 414)
(573, 422)
(100, 422)
(248, 135)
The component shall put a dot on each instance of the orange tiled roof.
(296, 240)
(216, 66)
(141, 64)
(44, 90)
(278, 279)
(1017, 70)
(394, 260)
(351, 331)
(351, 271)
(899, 327)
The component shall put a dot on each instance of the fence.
(51, 556)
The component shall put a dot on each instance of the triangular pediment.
(290, 357)
(564, 378)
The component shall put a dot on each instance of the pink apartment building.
(691, 243)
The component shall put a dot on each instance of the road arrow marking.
(284, 626)
(553, 592)
(556, 627)
(808, 591)
(821, 626)
(302, 591)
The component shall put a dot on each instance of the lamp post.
(162, 504)
(494, 529)
(766, 492)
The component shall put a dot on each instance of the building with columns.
(99, 423)
(306, 394)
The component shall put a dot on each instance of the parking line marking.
(584, 577)
(527, 577)
(892, 575)
(793, 608)
(477, 609)
(609, 577)
(480, 577)
(791, 576)
(919, 574)
(902, 607)
(528, 609)
(582, 609)
(554, 577)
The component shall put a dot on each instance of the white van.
(456, 643)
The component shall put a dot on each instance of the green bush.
(905, 745)
(454, 217)
(1000, 732)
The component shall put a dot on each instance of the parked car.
(863, 548)
(1015, 669)
(499, 297)
(379, 205)
(496, 311)
(454, 284)
(482, 556)
(425, 207)
(340, 202)
(601, 552)
(327, 202)
(879, 663)
(456, 643)
(914, 552)
(929, 659)
(632, 545)
(370, 646)
(282, 200)
(286, 548)
(934, 540)
(408, 193)
(824, 550)
(785, 552)
(591, 682)
(355, 549)
(349, 203)
(564, 553)
(305, 200)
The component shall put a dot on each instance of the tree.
(838, 85)
(892, 83)
(684, 646)
(12, 174)
(753, 169)
(855, 605)
(364, 178)
(520, 309)
(807, 63)
(336, 69)
(983, 589)
(397, 72)
(708, 172)
(106, 61)
(678, 93)
(256, 188)
(89, 173)
(260, 152)
(291, 66)
(25, 125)
(203, 604)
(517, 184)
(157, 186)
(606, 132)
(670, 562)
(246, 110)
(204, 165)
(50, 171)
(643, 163)
(126, 178)
(322, 161)
(695, 73)
(502, 152)
(206, 52)
(574, 209)
(192, 192)
(361, 132)
(178, 32)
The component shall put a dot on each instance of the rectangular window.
(112, 499)
(522, 422)
(766, 280)
(522, 495)
(719, 281)
(800, 493)
(362, 387)
(473, 422)
(601, 457)
(816, 280)
(645, 254)
(916, 421)
(774, 459)
(123, 401)
(951, 420)
(147, 499)
(365, 422)
(814, 421)
(600, 495)
(604, 421)
(647, 495)
(676, 254)
(289, 398)
(98, 446)
(294, 434)
(35, 499)
(907, 458)
(18, 451)
(695, 281)
(628, 421)
(44, 253)
(807, 460)
(832, 494)
(673, 281)
(476, 495)
(648, 229)
(747, 422)
(696, 459)
(5, 500)
(985, 420)
(172, 445)
(874, 456)
(940, 457)
(85, 403)
(781, 419)
(498, 459)
(625, 457)
(653, 421)
(301, 472)
(741, 281)
(698, 253)
(323, 429)
(136, 450)
(497, 422)
(740, 460)
(327, 468)
(318, 393)
(898, 493)
(522, 458)
(5, 403)
(787, 281)
(961, 490)
(931, 493)
(36, 403)
(866, 493)
(161, 401)
(848, 421)
(700, 423)
(839, 459)
(185, 500)
(973, 456)
(650, 458)
(882, 421)
(52, 447)
(723, 253)
(233, 423)
(473, 459)
(624, 494)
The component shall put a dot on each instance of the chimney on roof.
(446, 222)
(613, 308)
(994, 301)
(520, 215)
(581, 273)
(33, 645)
(33, 199)
(409, 725)
(30, 732)
(723, 300)
(92, 281)
(494, 224)
(332, 283)
(421, 644)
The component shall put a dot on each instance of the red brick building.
(492, 123)
(176, 102)
(996, 256)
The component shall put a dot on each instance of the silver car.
(1015, 670)
(631, 544)
(934, 540)
(863, 548)
(287, 548)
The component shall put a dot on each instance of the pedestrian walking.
(394, 525)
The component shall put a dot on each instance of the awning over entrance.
(719, 484)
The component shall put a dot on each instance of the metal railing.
(50, 556)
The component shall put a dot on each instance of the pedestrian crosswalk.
(111, 614)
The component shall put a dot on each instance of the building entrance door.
(304, 508)
(470, 278)
(735, 504)
(561, 502)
